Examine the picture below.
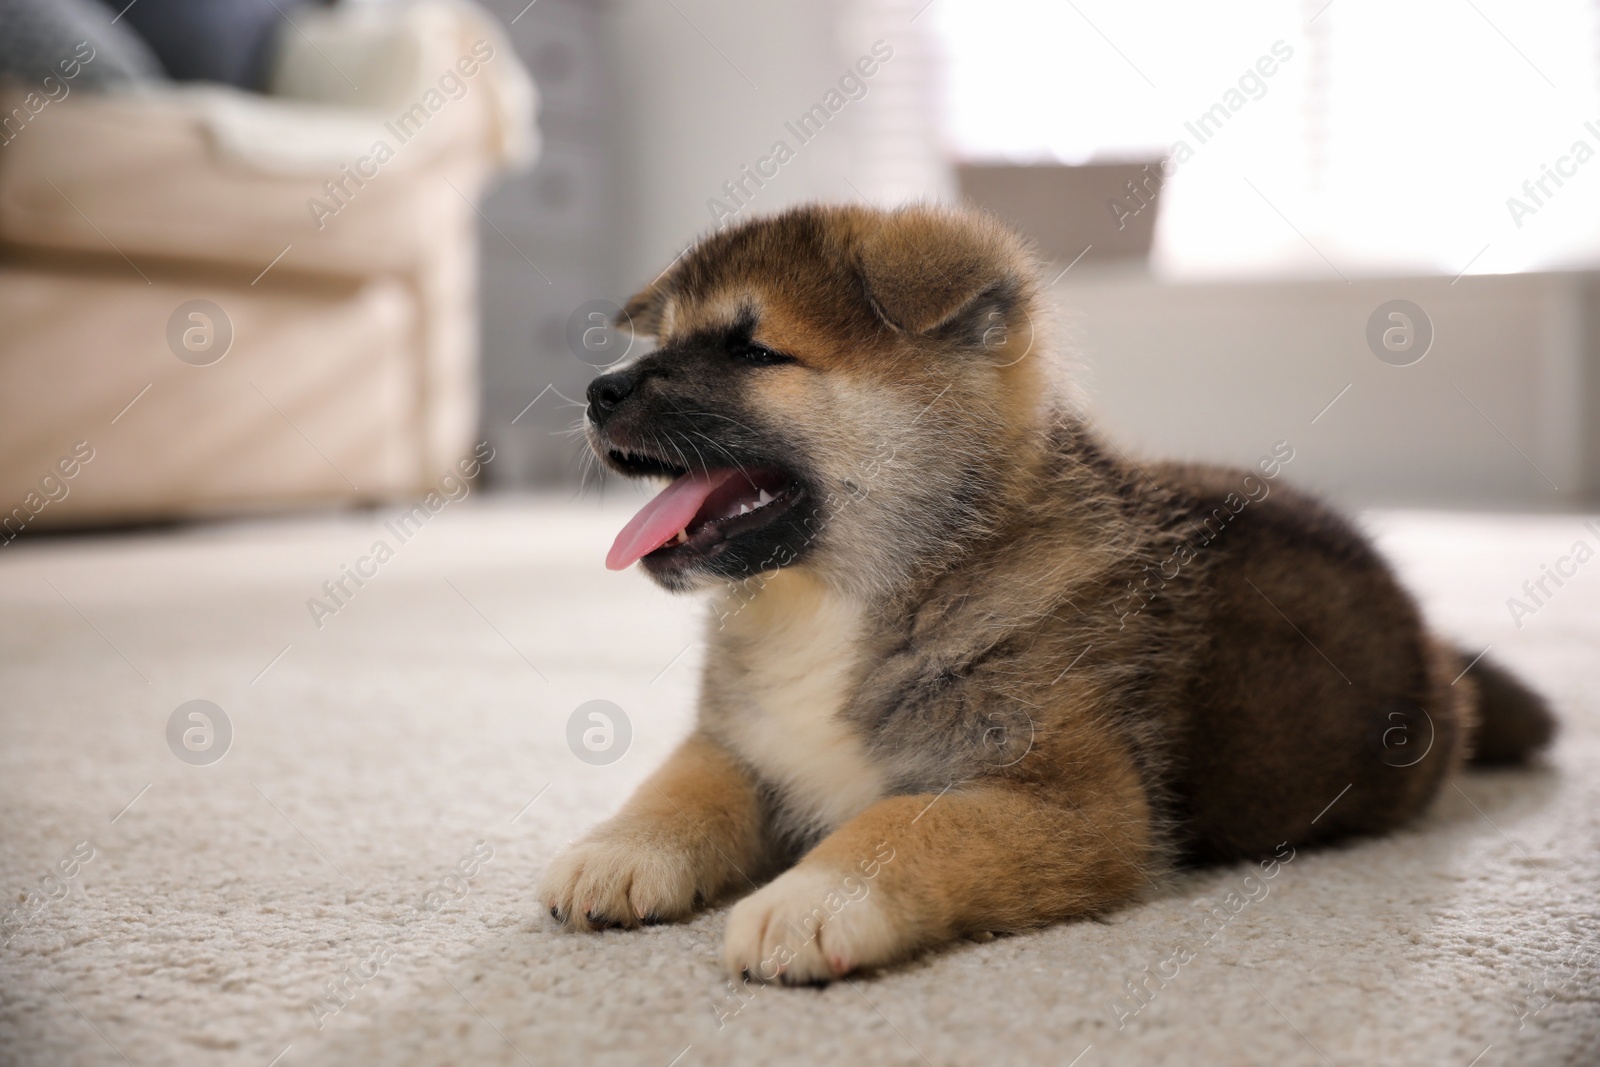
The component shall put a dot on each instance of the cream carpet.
(334, 848)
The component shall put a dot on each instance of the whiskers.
(733, 461)
(680, 445)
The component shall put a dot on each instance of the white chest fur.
(796, 651)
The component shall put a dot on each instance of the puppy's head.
(839, 388)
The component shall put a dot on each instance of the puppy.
(968, 667)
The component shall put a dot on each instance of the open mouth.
(698, 513)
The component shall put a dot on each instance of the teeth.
(683, 535)
(744, 509)
(765, 498)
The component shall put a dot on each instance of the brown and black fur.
(1065, 670)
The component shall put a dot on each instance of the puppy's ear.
(643, 313)
(924, 267)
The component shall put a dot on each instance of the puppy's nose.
(605, 393)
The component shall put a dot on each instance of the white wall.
(705, 87)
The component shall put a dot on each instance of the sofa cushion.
(227, 41)
(210, 173)
(38, 36)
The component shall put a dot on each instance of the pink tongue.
(660, 520)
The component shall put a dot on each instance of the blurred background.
(261, 255)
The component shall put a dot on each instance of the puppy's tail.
(1514, 722)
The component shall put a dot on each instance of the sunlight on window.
(1343, 138)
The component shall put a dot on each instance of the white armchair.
(329, 227)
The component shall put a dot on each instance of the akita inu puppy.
(968, 667)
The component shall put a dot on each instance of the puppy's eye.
(762, 356)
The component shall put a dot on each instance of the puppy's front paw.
(618, 877)
(813, 925)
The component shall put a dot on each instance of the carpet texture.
(353, 881)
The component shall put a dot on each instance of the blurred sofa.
(233, 301)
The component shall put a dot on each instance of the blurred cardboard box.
(1101, 212)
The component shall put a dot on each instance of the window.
(1357, 136)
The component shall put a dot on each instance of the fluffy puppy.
(968, 668)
